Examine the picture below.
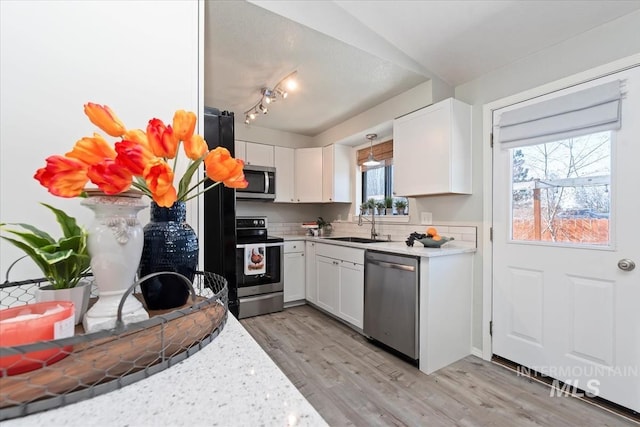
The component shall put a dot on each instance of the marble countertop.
(230, 382)
(450, 248)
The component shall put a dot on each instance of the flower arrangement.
(140, 159)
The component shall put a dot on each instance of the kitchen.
(70, 76)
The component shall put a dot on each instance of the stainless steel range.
(259, 268)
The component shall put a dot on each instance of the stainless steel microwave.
(262, 184)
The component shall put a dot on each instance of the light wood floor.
(352, 382)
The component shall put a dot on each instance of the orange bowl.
(26, 324)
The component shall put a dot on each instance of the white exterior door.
(565, 301)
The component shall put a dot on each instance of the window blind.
(591, 110)
(382, 152)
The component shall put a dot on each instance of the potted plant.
(380, 206)
(324, 227)
(401, 206)
(63, 262)
(371, 205)
(388, 205)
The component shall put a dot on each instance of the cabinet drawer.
(341, 252)
(294, 246)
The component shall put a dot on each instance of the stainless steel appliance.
(262, 184)
(391, 301)
(219, 237)
(259, 268)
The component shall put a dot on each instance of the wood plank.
(352, 382)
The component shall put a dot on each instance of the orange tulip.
(104, 118)
(137, 135)
(110, 177)
(220, 166)
(184, 123)
(63, 176)
(133, 156)
(195, 147)
(159, 178)
(92, 150)
(237, 181)
(161, 139)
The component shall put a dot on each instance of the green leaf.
(185, 181)
(67, 224)
(35, 239)
(34, 254)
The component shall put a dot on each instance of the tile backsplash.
(398, 232)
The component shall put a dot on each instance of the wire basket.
(107, 360)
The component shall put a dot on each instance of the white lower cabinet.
(327, 277)
(310, 272)
(351, 293)
(294, 271)
(340, 282)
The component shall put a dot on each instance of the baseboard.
(476, 352)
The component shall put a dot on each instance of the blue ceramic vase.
(170, 244)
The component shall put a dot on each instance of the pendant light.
(371, 161)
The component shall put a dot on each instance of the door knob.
(626, 264)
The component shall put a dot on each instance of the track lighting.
(269, 96)
(371, 161)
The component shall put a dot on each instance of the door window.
(561, 190)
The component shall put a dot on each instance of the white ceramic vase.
(79, 295)
(115, 244)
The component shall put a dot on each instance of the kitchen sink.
(355, 239)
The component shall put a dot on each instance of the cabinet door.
(310, 272)
(294, 286)
(432, 150)
(351, 293)
(308, 173)
(327, 277)
(240, 148)
(259, 154)
(337, 166)
(284, 162)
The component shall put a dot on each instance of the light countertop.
(230, 382)
(450, 248)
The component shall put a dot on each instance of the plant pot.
(388, 211)
(79, 295)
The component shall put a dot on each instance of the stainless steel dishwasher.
(391, 298)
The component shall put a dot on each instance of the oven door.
(267, 281)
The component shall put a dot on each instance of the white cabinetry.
(327, 277)
(254, 154)
(308, 173)
(351, 293)
(445, 310)
(337, 165)
(294, 271)
(432, 150)
(284, 160)
(310, 272)
(340, 282)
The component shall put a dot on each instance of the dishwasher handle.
(385, 264)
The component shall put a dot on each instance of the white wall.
(614, 40)
(140, 58)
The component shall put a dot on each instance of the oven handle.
(268, 245)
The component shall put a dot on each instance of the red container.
(26, 324)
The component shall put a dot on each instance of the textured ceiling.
(353, 55)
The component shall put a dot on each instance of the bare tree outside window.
(560, 190)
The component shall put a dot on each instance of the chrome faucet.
(374, 234)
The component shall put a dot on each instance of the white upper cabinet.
(337, 164)
(255, 154)
(432, 150)
(285, 174)
(308, 175)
